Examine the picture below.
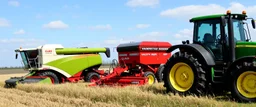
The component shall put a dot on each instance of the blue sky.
(101, 23)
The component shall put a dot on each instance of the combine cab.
(55, 64)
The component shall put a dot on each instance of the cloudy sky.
(100, 23)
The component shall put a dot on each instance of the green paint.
(212, 70)
(75, 64)
(245, 49)
(213, 17)
(46, 81)
(79, 50)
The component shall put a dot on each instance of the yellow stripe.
(248, 46)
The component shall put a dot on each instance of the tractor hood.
(245, 49)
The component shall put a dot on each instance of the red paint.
(149, 56)
(150, 52)
(75, 78)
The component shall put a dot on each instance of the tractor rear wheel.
(159, 73)
(151, 77)
(91, 77)
(184, 75)
(54, 78)
(243, 85)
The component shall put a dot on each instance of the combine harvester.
(55, 64)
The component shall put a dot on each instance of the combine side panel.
(74, 64)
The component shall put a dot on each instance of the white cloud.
(19, 32)
(22, 42)
(56, 25)
(115, 42)
(190, 11)
(142, 3)
(142, 26)
(101, 27)
(4, 23)
(150, 35)
(14, 3)
(183, 34)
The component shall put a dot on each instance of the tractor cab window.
(207, 33)
(239, 30)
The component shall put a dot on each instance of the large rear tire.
(159, 73)
(184, 75)
(53, 76)
(243, 84)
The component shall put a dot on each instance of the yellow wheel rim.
(246, 84)
(151, 79)
(181, 77)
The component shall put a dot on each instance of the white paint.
(58, 70)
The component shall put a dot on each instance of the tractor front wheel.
(184, 75)
(243, 85)
(51, 75)
(151, 77)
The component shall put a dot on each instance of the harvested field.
(79, 94)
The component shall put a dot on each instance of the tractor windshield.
(208, 31)
(240, 32)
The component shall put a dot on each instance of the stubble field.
(79, 94)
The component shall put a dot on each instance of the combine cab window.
(24, 59)
(30, 58)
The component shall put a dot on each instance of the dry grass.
(79, 94)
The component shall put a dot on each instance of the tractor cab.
(29, 57)
(219, 34)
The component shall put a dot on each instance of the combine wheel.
(52, 76)
(243, 85)
(151, 77)
(91, 77)
(159, 73)
(184, 75)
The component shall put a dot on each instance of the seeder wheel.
(151, 77)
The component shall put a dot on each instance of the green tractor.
(222, 58)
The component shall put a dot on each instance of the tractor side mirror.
(223, 21)
(16, 56)
(253, 23)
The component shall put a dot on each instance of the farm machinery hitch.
(116, 77)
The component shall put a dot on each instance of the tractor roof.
(239, 16)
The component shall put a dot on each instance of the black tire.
(151, 76)
(198, 85)
(242, 68)
(52, 75)
(159, 73)
(91, 76)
